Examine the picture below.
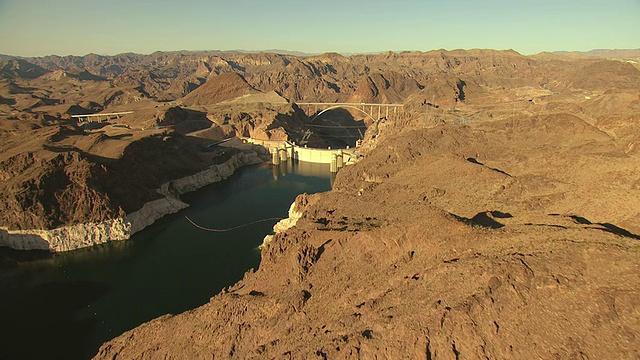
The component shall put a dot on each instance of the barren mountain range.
(499, 218)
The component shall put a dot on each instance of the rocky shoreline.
(73, 237)
(294, 214)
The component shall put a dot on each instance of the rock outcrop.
(294, 214)
(219, 88)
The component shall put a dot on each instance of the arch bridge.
(100, 117)
(374, 112)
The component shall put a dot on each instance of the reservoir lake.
(65, 305)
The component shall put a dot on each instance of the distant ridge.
(289, 52)
(605, 53)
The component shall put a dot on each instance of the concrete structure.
(281, 151)
(100, 117)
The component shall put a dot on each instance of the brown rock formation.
(484, 241)
(219, 88)
(64, 175)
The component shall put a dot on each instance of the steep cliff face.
(294, 214)
(77, 236)
(80, 235)
(64, 176)
(493, 240)
(40, 192)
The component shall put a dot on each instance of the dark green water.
(64, 306)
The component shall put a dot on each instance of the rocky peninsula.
(442, 243)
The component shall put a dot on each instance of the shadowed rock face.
(53, 181)
(219, 88)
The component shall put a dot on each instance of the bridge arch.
(342, 106)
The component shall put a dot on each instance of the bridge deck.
(100, 117)
(102, 114)
(348, 104)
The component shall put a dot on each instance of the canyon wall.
(88, 234)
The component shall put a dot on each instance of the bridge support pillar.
(275, 158)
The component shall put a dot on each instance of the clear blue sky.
(43, 27)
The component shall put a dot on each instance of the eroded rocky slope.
(65, 187)
(495, 240)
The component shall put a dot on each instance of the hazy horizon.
(299, 53)
(75, 27)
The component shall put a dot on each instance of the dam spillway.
(282, 151)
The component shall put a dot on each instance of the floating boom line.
(232, 228)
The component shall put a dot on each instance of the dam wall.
(284, 150)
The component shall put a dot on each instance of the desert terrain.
(500, 218)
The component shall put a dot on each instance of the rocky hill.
(494, 240)
(65, 176)
(219, 88)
